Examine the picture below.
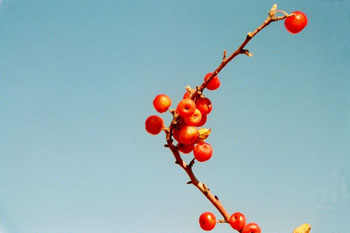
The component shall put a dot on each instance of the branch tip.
(225, 55)
(246, 52)
(273, 10)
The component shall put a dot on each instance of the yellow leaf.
(203, 134)
(304, 228)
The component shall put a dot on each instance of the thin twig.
(195, 94)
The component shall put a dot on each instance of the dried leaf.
(304, 228)
(203, 134)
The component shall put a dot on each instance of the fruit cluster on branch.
(184, 134)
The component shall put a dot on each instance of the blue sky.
(77, 81)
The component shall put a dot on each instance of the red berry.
(154, 124)
(214, 83)
(185, 148)
(296, 22)
(202, 151)
(251, 228)
(186, 95)
(188, 134)
(204, 105)
(161, 103)
(202, 122)
(207, 221)
(237, 221)
(194, 119)
(186, 107)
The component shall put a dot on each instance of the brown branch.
(195, 94)
(194, 181)
(240, 50)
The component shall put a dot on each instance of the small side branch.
(241, 49)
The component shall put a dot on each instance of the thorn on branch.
(198, 90)
(221, 221)
(189, 182)
(225, 54)
(192, 163)
(206, 189)
(216, 197)
(166, 145)
(246, 52)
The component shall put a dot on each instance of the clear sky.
(77, 81)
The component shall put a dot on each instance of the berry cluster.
(192, 114)
(207, 221)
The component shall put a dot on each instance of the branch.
(193, 180)
(241, 49)
(194, 95)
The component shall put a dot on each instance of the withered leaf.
(203, 134)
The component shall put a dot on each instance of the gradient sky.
(77, 81)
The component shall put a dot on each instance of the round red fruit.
(194, 119)
(237, 221)
(162, 103)
(185, 148)
(188, 134)
(154, 124)
(207, 221)
(214, 83)
(202, 122)
(296, 22)
(202, 151)
(204, 105)
(251, 228)
(186, 107)
(186, 95)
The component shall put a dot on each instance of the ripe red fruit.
(186, 95)
(237, 221)
(194, 119)
(251, 228)
(204, 105)
(161, 103)
(214, 83)
(207, 221)
(154, 124)
(186, 107)
(202, 122)
(296, 22)
(185, 148)
(202, 151)
(188, 134)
